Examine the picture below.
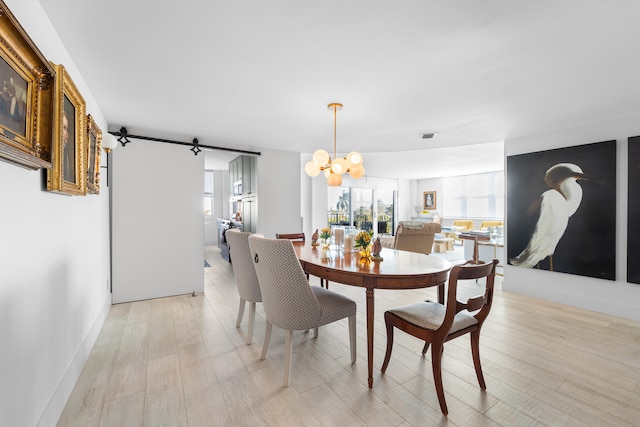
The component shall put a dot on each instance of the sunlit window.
(350, 206)
(474, 196)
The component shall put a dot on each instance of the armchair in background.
(414, 236)
(460, 225)
(487, 224)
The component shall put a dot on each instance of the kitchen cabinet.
(249, 176)
(249, 214)
(242, 177)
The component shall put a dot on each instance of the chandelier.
(334, 169)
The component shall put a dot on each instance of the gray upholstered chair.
(290, 302)
(437, 323)
(246, 279)
(414, 236)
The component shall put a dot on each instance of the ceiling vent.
(428, 135)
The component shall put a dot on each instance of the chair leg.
(425, 348)
(252, 319)
(475, 351)
(288, 354)
(315, 332)
(436, 365)
(267, 340)
(387, 355)
(240, 313)
(352, 337)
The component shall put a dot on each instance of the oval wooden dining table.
(398, 270)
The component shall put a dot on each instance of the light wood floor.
(180, 361)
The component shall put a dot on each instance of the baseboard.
(59, 399)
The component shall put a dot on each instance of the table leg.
(475, 250)
(370, 312)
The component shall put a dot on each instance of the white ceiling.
(259, 74)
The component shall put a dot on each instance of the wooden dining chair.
(437, 323)
(291, 236)
(290, 302)
(245, 274)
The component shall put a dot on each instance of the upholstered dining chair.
(290, 302)
(301, 238)
(246, 279)
(437, 323)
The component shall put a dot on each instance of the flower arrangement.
(363, 239)
(325, 233)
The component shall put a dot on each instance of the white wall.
(54, 269)
(158, 240)
(617, 298)
(279, 205)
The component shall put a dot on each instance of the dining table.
(397, 270)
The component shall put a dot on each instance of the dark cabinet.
(250, 214)
(242, 177)
(244, 191)
(248, 176)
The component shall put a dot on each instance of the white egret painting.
(561, 210)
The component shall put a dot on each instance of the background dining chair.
(291, 236)
(436, 323)
(246, 279)
(290, 302)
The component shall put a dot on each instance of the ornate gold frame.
(94, 144)
(25, 129)
(67, 98)
(433, 206)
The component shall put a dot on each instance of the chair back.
(480, 304)
(416, 236)
(487, 224)
(242, 263)
(291, 236)
(463, 224)
(287, 298)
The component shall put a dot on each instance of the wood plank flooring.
(180, 361)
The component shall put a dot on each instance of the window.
(355, 206)
(474, 196)
(208, 193)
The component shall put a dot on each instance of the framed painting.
(26, 97)
(94, 143)
(68, 174)
(561, 210)
(429, 200)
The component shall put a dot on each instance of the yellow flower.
(325, 233)
(363, 239)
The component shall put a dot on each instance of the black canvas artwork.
(561, 210)
(633, 212)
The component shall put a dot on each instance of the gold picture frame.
(26, 97)
(68, 174)
(94, 144)
(429, 200)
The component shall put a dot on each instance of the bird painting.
(555, 207)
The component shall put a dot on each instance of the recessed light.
(428, 135)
